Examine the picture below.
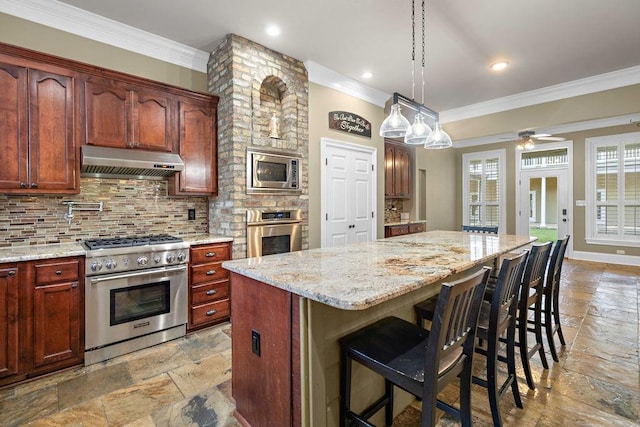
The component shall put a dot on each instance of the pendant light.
(419, 130)
(396, 125)
(438, 138)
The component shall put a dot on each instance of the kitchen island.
(289, 311)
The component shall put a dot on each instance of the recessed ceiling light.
(367, 75)
(499, 66)
(273, 30)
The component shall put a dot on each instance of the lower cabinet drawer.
(57, 272)
(209, 292)
(416, 228)
(210, 312)
(208, 272)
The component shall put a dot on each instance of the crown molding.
(64, 17)
(325, 77)
(598, 83)
(553, 130)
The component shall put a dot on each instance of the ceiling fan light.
(499, 66)
(395, 125)
(418, 131)
(438, 139)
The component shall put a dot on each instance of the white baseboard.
(607, 258)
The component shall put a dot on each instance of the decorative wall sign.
(349, 123)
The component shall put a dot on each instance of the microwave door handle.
(138, 273)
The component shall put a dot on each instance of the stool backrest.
(533, 278)
(479, 229)
(554, 269)
(453, 328)
(505, 296)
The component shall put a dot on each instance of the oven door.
(128, 305)
(268, 239)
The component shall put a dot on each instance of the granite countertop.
(359, 276)
(416, 221)
(59, 250)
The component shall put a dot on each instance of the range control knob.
(156, 259)
(96, 266)
(171, 258)
(143, 260)
(181, 257)
(110, 264)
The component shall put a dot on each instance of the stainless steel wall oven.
(273, 232)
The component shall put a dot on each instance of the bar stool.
(420, 362)
(496, 317)
(531, 297)
(551, 292)
(480, 229)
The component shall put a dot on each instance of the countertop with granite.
(362, 275)
(417, 221)
(58, 250)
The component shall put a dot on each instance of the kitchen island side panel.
(261, 384)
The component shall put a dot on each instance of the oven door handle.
(138, 273)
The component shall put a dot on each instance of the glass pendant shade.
(438, 138)
(418, 132)
(395, 125)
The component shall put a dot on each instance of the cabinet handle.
(7, 273)
(34, 185)
(211, 292)
(74, 285)
(211, 312)
(12, 272)
(23, 185)
(210, 254)
(211, 272)
(58, 272)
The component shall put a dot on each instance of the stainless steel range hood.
(104, 162)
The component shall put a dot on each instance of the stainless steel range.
(135, 294)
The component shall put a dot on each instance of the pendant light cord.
(413, 49)
(423, 52)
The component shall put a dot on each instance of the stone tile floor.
(186, 382)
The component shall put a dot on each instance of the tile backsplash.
(392, 210)
(132, 207)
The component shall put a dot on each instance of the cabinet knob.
(12, 272)
(211, 272)
(211, 292)
(34, 185)
(23, 185)
(210, 254)
(211, 312)
(58, 272)
(74, 285)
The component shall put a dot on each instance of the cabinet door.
(402, 172)
(8, 322)
(389, 186)
(197, 127)
(152, 125)
(14, 138)
(52, 160)
(56, 323)
(106, 113)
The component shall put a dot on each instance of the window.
(613, 189)
(483, 188)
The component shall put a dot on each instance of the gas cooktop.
(125, 242)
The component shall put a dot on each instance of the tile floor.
(187, 381)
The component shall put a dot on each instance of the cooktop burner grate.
(123, 242)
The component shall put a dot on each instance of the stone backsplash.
(132, 207)
(392, 210)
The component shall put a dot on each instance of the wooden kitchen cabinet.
(402, 229)
(397, 172)
(197, 121)
(209, 295)
(123, 115)
(8, 320)
(37, 128)
(41, 317)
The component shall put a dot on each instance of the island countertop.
(362, 275)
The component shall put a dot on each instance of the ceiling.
(547, 42)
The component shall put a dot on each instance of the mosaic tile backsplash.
(392, 210)
(132, 207)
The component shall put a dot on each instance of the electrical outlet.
(255, 342)
(191, 214)
(620, 251)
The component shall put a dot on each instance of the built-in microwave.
(272, 172)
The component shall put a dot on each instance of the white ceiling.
(548, 42)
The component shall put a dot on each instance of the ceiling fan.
(526, 138)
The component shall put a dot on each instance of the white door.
(544, 195)
(348, 193)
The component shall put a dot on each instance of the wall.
(131, 208)
(322, 100)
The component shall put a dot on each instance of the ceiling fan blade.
(550, 138)
(540, 135)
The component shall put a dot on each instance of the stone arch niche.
(274, 114)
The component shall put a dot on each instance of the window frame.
(591, 217)
(502, 182)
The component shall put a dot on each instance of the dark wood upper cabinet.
(122, 116)
(37, 128)
(397, 170)
(198, 148)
